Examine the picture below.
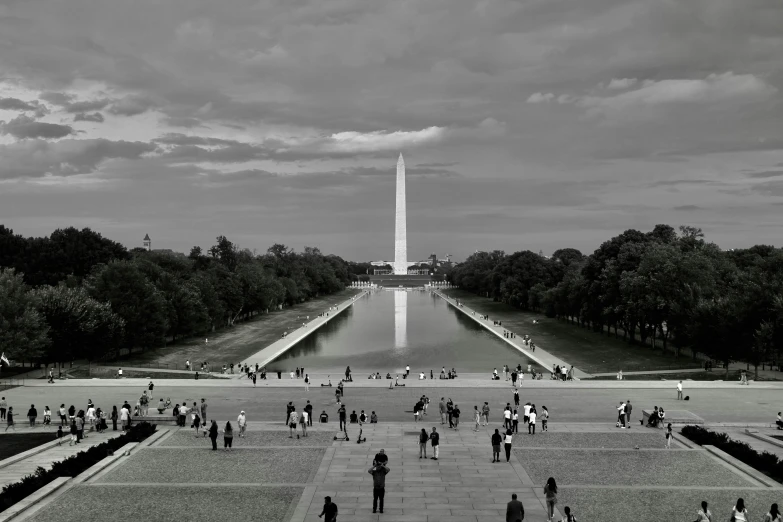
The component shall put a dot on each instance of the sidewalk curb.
(29, 453)
(743, 468)
(764, 438)
(26, 503)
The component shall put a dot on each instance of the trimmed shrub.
(72, 466)
(767, 463)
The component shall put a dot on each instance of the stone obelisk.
(400, 223)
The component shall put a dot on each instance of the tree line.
(76, 294)
(660, 287)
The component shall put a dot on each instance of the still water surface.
(386, 330)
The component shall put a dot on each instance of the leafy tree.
(136, 300)
(23, 331)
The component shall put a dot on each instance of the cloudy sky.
(525, 124)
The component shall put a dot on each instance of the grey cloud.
(37, 158)
(87, 105)
(687, 208)
(15, 104)
(24, 127)
(675, 182)
(56, 98)
(436, 164)
(769, 188)
(95, 117)
(131, 106)
(765, 174)
(186, 122)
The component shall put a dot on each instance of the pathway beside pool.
(269, 476)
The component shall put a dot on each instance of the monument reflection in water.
(388, 329)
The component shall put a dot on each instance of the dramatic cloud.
(96, 117)
(24, 127)
(621, 83)
(37, 158)
(15, 104)
(576, 119)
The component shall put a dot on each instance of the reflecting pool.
(388, 329)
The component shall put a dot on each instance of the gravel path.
(171, 503)
(204, 466)
(621, 505)
(633, 468)
(253, 438)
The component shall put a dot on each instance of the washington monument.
(400, 225)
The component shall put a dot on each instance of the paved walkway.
(274, 350)
(545, 359)
(16, 472)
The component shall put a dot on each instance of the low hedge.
(72, 466)
(765, 462)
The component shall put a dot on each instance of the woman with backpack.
(569, 517)
(550, 492)
(773, 515)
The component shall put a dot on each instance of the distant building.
(147, 242)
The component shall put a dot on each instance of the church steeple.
(147, 242)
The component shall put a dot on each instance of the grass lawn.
(237, 343)
(621, 505)
(585, 349)
(135, 503)
(255, 438)
(718, 375)
(13, 444)
(190, 465)
(628, 468)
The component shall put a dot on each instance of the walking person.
(242, 423)
(330, 510)
(303, 422)
(435, 440)
(569, 517)
(32, 414)
(485, 413)
(442, 408)
(74, 433)
(515, 421)
(379, 470)
(293, 419)
(669, 436)
(507, 443)
(306, 382)
(309, 409)
(531, 425)
(507, 417)
(679, 391)
(228, 437)
(739, 513)
(114, 417)
(423, 438)
(628, 409)
(450, 412)
(213, 434)
(203, 410)
(516, 398)
(704, 514)
(544, 418)
(4, 408)
(9, 418)
(341, 415)
(515, 511)
(477, 417)
(773, 515)
(496, 439)
(455, 415)
(550, 494)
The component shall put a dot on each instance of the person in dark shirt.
(288, 409)
(354, 417)
(497, 439)
(455, 416)
(330, 510)
(341, 413)
(32, 413)
(435, 439)
(381, 457)
(378, 472)
(324, 417)
(309, 410)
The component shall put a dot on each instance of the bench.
(675, 417)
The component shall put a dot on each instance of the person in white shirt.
(531, 426)
(515, 422)
(242, 423)
(507, 418)
(679, 390)
(421, 376)
(526, 412)
(90, 416)
(621, 415)
(124, 417)
(507, 441)
(293, 418)
(495, 374)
